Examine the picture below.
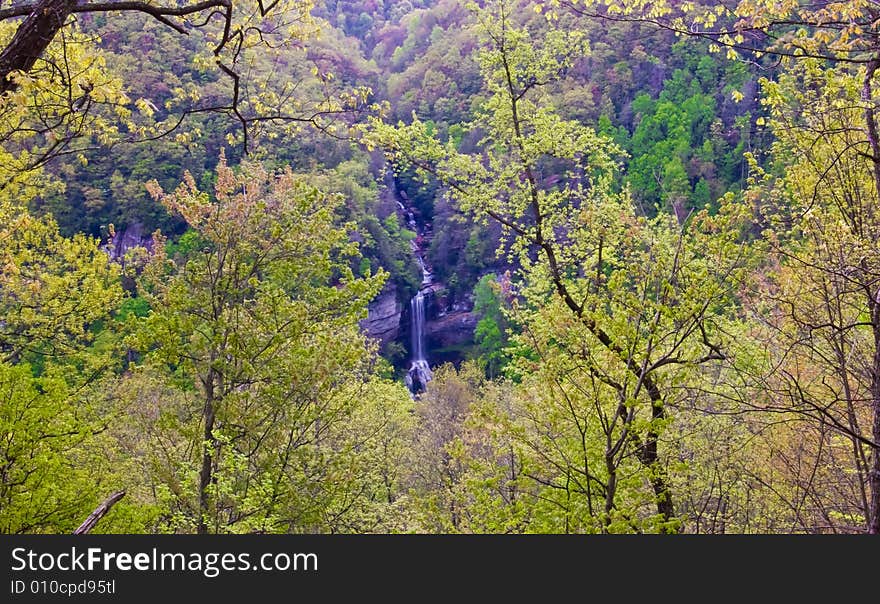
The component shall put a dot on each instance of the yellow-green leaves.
(69, 100)
(52, 288)
(56, 293)
(613, 310)
(260, 318)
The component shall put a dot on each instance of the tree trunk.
(874, 512)
(611, 488)
(649, 455)
(873, 515)
(32, 38)
(208, 444)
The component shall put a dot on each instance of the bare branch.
(100, 511)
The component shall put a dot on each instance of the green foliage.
(490, 334)
(669, 337)
(384, 244)
(260, 324)
(133, 307)
(617, 308)
(52, 289)
(665, 172)
(38, 427)
(462, 478)
(58, 345)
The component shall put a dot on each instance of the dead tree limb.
(99, 513)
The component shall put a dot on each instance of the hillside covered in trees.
(437, 266)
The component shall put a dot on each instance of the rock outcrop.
(383, 318)
(452, 329)
(123, 240)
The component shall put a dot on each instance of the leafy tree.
(52, 289)
(62, 95)
(820, 302)
(451, 463)
(617, 308)
(490, 333)
(261, 323)
(57, 346)
(806, 38)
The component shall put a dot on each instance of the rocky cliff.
(452, 329)
(383, 318)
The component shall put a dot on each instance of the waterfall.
(419, 373)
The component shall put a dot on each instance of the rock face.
(448, 329)
(452, 329)
(383, 318)
(126, 239)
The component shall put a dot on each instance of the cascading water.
(419, 373)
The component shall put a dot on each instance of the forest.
(440, 266)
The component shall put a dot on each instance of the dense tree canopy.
(644, 232)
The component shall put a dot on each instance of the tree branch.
(100, 511)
